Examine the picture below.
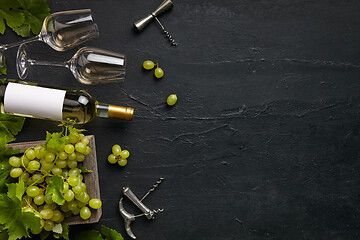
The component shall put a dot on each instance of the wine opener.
(129, 217)
(164, 6)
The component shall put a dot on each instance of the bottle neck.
(113, 111)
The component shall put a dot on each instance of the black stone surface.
(263, 142)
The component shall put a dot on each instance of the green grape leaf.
(55, 140)
(55, 187)
(22, 30)
(3, 235)
(23, 15)
(2, 25)
(83, 169)
(16, 222)
(89, 235)
(110, 234)
(16, 190)
(9, 127)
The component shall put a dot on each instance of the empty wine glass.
(62, 31)
(88, 65)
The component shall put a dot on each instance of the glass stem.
(49, 63)
(28, 40)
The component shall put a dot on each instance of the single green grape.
(40, 152)
(48, 199)
(87, 150)
(72, 156)
(83, 197)
(171, 100)
(56, 171)
(73, 181)
(83, 185)
(63, 155)
(72, 164)
(61, 163)
(39, 199)
(38, 178)
(48, 225)
(69, 148)
(27, 209)
(14, 161)
(159, 73)
(116, 149)
(57, 215)
(72, 205)
(74, 172)
(49, 156)
(69, 196)
(85, 213)
(65, 207)
(112, 159)
(148, 65)
(30, 154)
(76, 211)
(95, 203)
(24, 176)
(80, 204)
(16, 172)
(65, 187)
(33, 165)
(46, 166)
(84, 140)
(124, 154)
(80, 147)
(24, 161)
(80, 157)
(51, 206)
(65, 172)
(33, 191)
(122, 162)
(77, 189)
(73, 137)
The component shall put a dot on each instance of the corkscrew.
(142, 23)
(128, 217)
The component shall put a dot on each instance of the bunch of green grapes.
(148, 65)
(118, 155)
(39, 164)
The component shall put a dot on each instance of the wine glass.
(62, 31)
(88, 65)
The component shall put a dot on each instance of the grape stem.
(29, 205)
(46, 173)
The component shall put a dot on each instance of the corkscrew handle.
(147, 212)
(163, 7)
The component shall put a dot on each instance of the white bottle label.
(34, 101)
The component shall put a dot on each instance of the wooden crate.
(91, 179)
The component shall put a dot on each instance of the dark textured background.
(264, 140)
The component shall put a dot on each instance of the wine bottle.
(38, 101)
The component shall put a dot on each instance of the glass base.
(22, 62)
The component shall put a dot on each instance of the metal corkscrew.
(164, 6)
(147, 212)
